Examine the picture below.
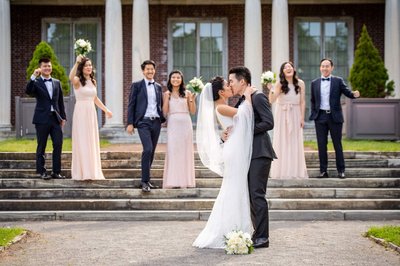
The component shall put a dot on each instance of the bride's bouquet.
(238, 243)
(195, 85)
(268, 77)
(82, 47)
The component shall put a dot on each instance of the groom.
(263, 154)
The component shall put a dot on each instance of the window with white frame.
(61, 34)
(198, 48)
(317, 38)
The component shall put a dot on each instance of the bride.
(231, 160)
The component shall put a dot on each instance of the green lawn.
(8, 234)
(29, 145)
(390, 233)
(360, 145)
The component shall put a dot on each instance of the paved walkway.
(169, 243)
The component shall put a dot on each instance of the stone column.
(140, 36)
(280, 34)
(253, 40)
(392, 41)
(114, 63)
(5, 66)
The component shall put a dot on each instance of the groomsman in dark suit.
(326, 111)
(145, 114)
(49, 116)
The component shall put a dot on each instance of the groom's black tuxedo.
(260, 164)
(47, 122)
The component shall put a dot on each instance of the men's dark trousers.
(324, 124)
(149, 131)
(52, 128)
(258, 179)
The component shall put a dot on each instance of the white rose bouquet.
(82, 47)
(195, 85)
(238, 243)
(268, 77)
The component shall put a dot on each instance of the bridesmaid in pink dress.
(289, 94)
(86, 163)
(179, 103)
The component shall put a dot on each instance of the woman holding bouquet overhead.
(86, 164)
(179, 103)
(289, 94)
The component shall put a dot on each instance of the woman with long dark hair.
(179, 103)
(289, 95)
(86, 164)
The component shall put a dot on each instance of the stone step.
(161, 155)
(159, 164)
(121, 193)
(191, 204)
(203, 172)
(36, 183)
(182, 215)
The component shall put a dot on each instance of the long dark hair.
(285, 83)
(181, 87)
(217, 84)
(79, 72)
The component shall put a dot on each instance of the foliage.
(44, 50)
(29, 145)
(360, 145)
(368, 73)
(389, 233)
(8, 234)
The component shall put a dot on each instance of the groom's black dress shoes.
(323, 175)
(145, 187)
(261, 243)
(44, 176)
(57, 176)
(151, 185)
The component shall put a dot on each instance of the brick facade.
(26, 33)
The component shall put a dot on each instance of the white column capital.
(140, 36)
(253, 55)
(5, 69)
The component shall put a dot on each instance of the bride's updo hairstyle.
(217, 84)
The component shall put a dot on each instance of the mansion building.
(199, 37)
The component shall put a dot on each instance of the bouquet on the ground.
(268, 77)
(238, 243)
(82, 47)
(195, 85)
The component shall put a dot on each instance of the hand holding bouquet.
(195, 85)
(268, 77)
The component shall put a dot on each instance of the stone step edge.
(137, 215)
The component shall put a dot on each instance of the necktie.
(327, 79)
(241, 99)
(49, 80)
(151, 83)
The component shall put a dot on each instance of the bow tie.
(49, 80)
(327, 79)
(151, 83)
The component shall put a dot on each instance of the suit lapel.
(144, 88)
(54, 87)
(318, 92)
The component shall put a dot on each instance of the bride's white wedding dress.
(231, 210)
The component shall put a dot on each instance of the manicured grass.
(360, 145)
(8, 234)
(29, 145)
(390, 233)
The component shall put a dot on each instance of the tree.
(368, 73)
(44, 50)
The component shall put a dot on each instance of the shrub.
(368, 73)
(42, 50)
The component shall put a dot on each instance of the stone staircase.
(371, 191)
